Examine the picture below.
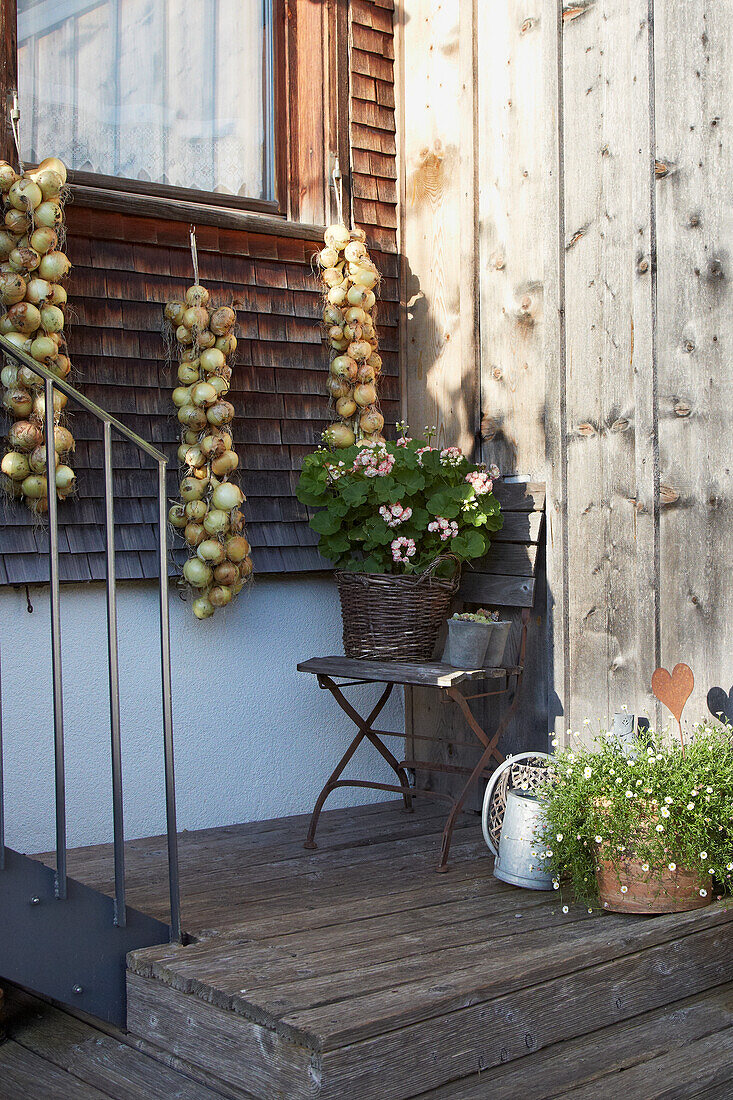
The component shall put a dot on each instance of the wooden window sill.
(197, 213)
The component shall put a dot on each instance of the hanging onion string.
(208, 515)
(350, 279)
(32, 302)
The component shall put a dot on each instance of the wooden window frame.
(125, 186)
(311, 128)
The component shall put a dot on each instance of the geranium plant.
(648, 801)
(396, 507)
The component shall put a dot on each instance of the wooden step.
(392, 1017)
(51, 1055)
(676, 1052)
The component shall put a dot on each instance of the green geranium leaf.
(325, 522)
(333, 545)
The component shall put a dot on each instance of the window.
(175, 93)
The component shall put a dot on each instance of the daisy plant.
(648, 801)
(396, 507)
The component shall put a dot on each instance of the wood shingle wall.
(127, 266)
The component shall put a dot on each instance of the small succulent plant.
(480, 616)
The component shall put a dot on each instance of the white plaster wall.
(253, 737)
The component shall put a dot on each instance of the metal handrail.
(110, 423)
(90, 406)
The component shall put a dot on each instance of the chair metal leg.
(365, 731)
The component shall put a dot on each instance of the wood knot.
(694, 221)
(620, 425)
(585, 429)
(490, 427)
(574, 11)
(682, 408)
(662, 168)
(643, 266)
(688, 346)
(527, 25)
(576, 237)
(715, 270)
(667, 495)
(497, 373)
(497, 260)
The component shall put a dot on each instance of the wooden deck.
(356, 971)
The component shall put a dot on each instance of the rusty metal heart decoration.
(673, 690)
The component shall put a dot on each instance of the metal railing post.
(2, 785)
(114, 684)
(165, 662)
(58, 700)
(51, 384)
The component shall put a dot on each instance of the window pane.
(169, 91)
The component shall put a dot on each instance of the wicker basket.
(393, 618)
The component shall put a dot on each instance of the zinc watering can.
(511, 801)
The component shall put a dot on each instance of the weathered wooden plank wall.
(602, 157)
(439, 217)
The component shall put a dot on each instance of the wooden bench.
(505, 577)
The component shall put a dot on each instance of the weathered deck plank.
(587, 1063)
(24, 1075)
(85, 1059)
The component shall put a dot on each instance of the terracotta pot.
(651, 891)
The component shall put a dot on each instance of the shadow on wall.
(253, 737)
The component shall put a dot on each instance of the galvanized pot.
(466, 643)
(497, 644)
(519, 861)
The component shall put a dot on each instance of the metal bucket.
(466, 643)
(497, 644)
(519, 861)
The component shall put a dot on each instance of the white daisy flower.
(587, 772)
(645, 866)
(599, 840)
(703, 855)
(672, 866)
(703, 893)
(565, 909)
(690, 805)
(664, 811)
(660, 828)
(629, 794)
(559, 836)
(624, 889)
